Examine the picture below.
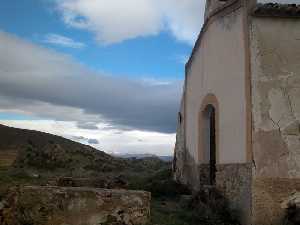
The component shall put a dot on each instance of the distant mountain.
(143, 156)
(42, 153)
(166, 158)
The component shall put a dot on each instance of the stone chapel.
(239, 120)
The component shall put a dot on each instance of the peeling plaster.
(275, 96)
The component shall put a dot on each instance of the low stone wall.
(234, 182)
(74, 206)
(107, 182)
(269, 194)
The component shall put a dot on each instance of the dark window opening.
(209, 143)
(212, 148)
(179, 117)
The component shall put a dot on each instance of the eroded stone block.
(75, 206)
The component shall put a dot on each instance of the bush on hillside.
(160, 184)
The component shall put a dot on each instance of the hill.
(31, 157)
(43, 153)
(143, 156)
(35, 158)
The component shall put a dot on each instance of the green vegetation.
(173, 204)
(38, 159)
(160, 183)
(14, 177)
(168, 206)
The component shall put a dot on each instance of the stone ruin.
(51, 205)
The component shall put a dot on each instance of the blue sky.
(105, 70)
(110, 71)
(159, 56)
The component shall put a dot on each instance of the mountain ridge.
(40, 152)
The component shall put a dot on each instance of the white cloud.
(114, 21)
(184, 18)
(63, 41)
(112, 141)
(118, 20)
(132, 116)
(52, 85)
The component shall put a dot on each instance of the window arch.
(208, 135)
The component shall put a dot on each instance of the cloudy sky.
(104, 73)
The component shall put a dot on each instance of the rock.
(292, 207)
(1, 205)
(35, 175)
(292, 201)
(75, 205)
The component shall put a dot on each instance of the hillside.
(31, 157)
(36, 158)
(42, 153)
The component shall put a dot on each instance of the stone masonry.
(74, 206)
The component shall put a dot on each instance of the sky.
(104, 73)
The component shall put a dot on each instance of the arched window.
(209, 140)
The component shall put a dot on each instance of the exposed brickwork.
(234, 182)
(204, 176)
(268, 195)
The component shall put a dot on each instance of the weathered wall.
(76, 206)
(214, 77)
(275, 50)
(180, 156)
(218, 67)
(185, 168)
(276, 91)
(269, 194)
(213, 5)
(234, 182)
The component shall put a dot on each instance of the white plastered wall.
(218, 67)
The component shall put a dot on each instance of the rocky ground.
(171, 203)
(30, 158)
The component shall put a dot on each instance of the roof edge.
(277, 10)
